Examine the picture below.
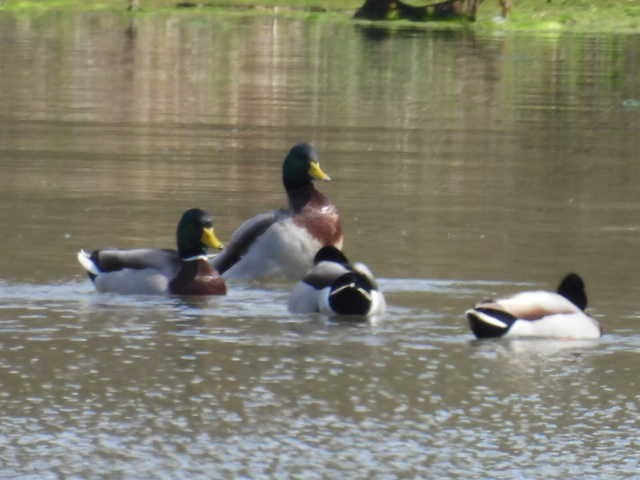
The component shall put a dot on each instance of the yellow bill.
(209, 238)
(316, 172)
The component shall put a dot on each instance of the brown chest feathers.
(320, 218)
(197, 278)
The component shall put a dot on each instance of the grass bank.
(612, 16)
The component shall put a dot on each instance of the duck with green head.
(185, 271)
(282, 243)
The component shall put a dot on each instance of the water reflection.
(534, 350)
(465, 167)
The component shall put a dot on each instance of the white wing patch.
(85, 260)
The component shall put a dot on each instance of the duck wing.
(538, 304)
(112, 260)
(243, 238)
(307, 295)
(363, 270)
(531, 305)
(324, 274)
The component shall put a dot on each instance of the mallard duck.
(335, 287)
(558, 314)
(155, 271)
(282, 243)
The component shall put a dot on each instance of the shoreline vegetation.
(583, 16)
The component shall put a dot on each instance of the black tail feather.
(351, 295)
(483, 329)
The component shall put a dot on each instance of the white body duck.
(282, 243)
(335, 287)
(540, 313)
(157, 271)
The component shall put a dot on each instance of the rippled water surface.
(464, 167)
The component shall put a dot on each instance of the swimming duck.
(155, 271)
(558, 314)
(335, 287)
(282, 243)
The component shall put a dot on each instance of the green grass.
(575, 15)
(149, 5)
(527, 15)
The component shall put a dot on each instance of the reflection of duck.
(527, 347)
(334, 287)
(145, 270)
(283, 242)
(539, 313)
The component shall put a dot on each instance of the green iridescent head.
(195, 233)
(301, 167)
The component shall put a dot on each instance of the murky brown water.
(465, 166)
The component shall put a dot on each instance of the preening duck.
(282, 243)
(335, 287)
(558, 314)
(155, 271)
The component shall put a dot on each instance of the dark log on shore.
(396, 9)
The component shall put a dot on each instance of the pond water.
(465, 166)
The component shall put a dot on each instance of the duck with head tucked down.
(336, 287)
(282, 243)
(538, 313)
(161, 271)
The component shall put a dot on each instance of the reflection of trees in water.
(156, 89)
(248, 76)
